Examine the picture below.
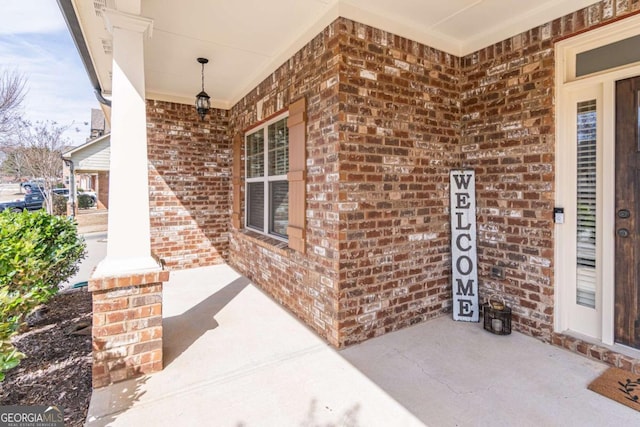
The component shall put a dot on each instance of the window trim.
(266, 179)
(567, 49)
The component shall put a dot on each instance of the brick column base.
(127, 326)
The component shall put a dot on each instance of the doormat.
(619, 385)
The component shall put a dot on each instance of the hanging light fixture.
(203, 103)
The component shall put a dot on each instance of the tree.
(12, 92)
(35, 150)
(12, 163)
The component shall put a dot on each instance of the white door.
(582, 170)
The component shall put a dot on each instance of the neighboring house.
(99, 124)
(90, 167)
(323, 173)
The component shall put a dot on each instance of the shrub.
(85, 201)
(59, 204)
(38, 251)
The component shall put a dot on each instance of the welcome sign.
(464, 254)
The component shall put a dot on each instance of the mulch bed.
(57, 369)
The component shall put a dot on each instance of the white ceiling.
(246, 40)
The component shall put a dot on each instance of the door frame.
(567, 88)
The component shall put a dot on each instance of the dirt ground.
(57, 370)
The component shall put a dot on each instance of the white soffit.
(247, 40)
(459, 27)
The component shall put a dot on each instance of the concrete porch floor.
(234, 357)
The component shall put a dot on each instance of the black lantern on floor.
(203, 103)
(497, 316)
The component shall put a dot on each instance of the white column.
(129, 233)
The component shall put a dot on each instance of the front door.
(627, 210)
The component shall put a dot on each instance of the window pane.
(255, 154)
(255, 205)
(279, 213)
(586, 204)
(613, 55)
(278, 148)
(267, 198)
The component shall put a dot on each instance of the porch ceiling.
(246, 40)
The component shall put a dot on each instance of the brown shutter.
(237, 181)
(297, 175)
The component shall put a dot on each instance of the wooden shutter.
(237, 181)
(297, 175)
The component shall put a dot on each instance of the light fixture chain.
(202, 73)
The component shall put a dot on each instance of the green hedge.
(85, 201)
(38, 252)
(59, 203)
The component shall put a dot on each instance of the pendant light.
(203, 103)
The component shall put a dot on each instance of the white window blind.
(586, 277)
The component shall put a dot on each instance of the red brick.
(110, 305)
(151, 356)
(109, 330)
(147, 346)
(145, 300)
(98, 319)
(123, 281)
(150, 334)
(122, 315)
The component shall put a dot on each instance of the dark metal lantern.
(497, 316)
(203, 100)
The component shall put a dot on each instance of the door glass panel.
(586, 278)
(613, 55)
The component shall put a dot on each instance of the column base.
(127, 326)
(118, 266)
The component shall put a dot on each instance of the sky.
(35, 41)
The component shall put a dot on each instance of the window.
(267, 157)
(586, 204)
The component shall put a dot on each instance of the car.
(32, 201)
(91, 196)
(61, 191)
(29, 186)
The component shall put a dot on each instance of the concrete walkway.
(96, 251)
(92, 220)
(233, 357)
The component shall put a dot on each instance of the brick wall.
(507, 135)
(103, 190)
(127, 326)
(189, 184)
(383, 113)
(305, 284)
(401, 115)
(508, 138)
